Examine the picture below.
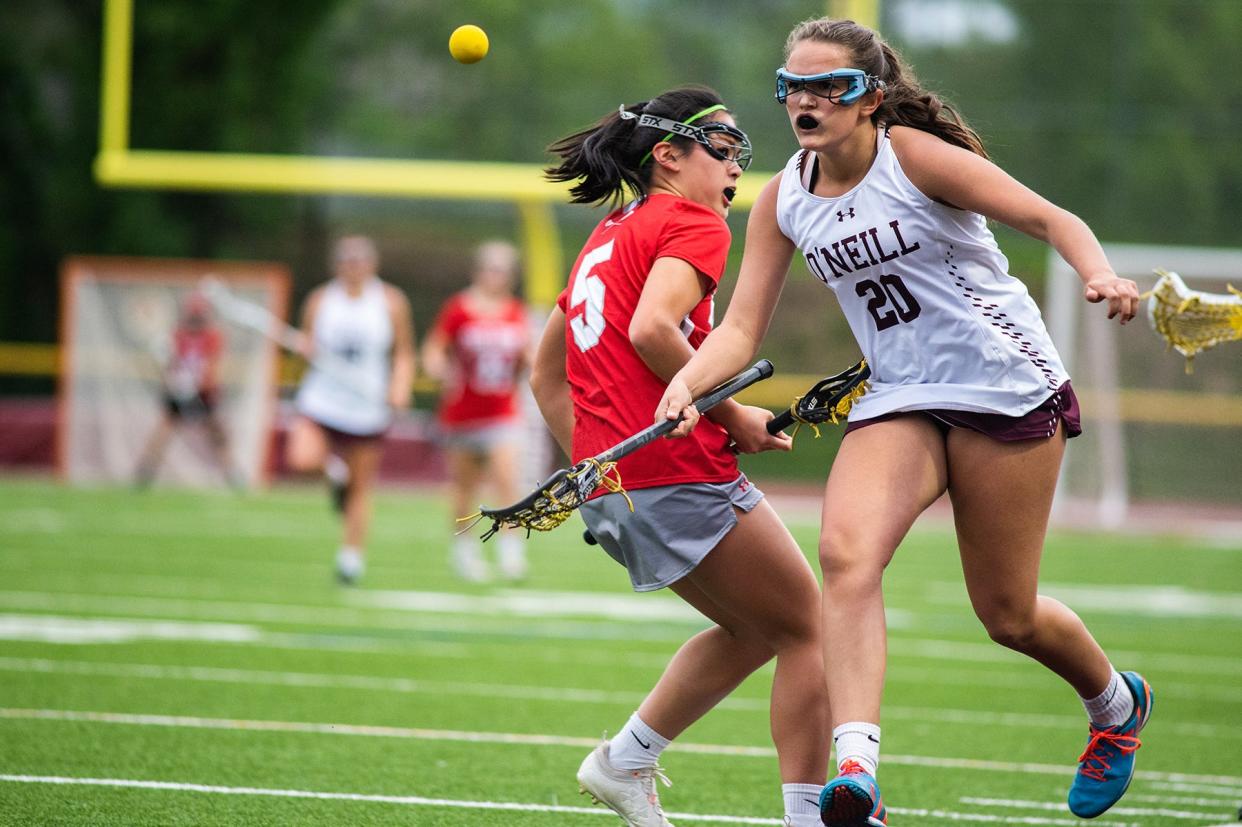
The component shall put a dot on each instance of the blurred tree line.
(1123, 111)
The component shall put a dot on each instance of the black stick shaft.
(759, 371)
(780, 422)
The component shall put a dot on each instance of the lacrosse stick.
(560, 494)
(261, 320)
(827, 401)
(1191, 321)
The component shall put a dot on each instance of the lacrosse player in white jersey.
(888, 200)
(360, 341)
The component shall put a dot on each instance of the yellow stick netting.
(1191, 321)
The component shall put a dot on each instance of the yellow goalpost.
(118, 165)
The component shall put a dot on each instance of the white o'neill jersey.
(347, 388)
(926, 291)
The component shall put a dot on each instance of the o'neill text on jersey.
(858, 252)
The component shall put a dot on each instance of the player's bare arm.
(959, 178)
(310, 308)
(671, 291)
(550, 384)
(736, 341)
(403, 362)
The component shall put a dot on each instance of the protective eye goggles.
(722, 141)
(842, 87)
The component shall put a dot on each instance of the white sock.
(336, 470)
(349, 562)
(636, 746)
(858, 741)
(1113, 706)
(802, 803)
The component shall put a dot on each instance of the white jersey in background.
(353, 339)
(926, 291)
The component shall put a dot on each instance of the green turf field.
(173, 658)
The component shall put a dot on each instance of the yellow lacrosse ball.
(468, 44)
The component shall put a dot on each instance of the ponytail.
(608, 160)
(906, 102)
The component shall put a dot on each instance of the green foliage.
(1123, 112)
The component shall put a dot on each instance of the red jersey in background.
(487, 350)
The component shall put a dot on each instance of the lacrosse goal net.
(118, 371)
(1153, 432)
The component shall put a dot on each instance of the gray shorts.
(481, 439)
(672, 528)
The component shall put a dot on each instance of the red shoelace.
(1094, 757)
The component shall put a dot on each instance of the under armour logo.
(844, 214)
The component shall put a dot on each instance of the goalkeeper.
(639, 301)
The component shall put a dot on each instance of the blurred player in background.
(477, 349)
(888, 199)
(191, 391)
(360, 328)
(639, 301)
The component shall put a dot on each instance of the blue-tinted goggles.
(842, 87)
(722, 141)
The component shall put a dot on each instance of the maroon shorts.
(1041, 423)
(343, 440)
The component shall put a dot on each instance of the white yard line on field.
(640, 626)
(211, 674)
(78, 630)
(1121, 599)
(196, 722)
(1201, 789)
(511, 806)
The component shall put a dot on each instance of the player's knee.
(844, 560)
(1010, 626)
(299, 459)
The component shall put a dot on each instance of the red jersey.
(614, 393)
(195, 354)
(487, 351)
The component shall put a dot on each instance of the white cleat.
(630, 794)
(468, 562)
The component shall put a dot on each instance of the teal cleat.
(852, 799)
(1107, 764)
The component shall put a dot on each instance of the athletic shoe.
(852, 799)
(468, 562)
(349, 567)
(630, 794)
(1107, 764)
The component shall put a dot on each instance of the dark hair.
(905, 103)
(607, 159)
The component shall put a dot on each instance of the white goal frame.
(1065, 307)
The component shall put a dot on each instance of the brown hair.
(906, 102)
(608, 158)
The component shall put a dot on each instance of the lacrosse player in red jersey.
(478, 348)
(639, 300)
(191, 390)
(888, 200)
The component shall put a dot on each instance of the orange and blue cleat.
(1107, 764)
(852, 799)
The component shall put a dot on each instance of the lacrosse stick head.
(830, 399)
(1191, 321)
(554, 501)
